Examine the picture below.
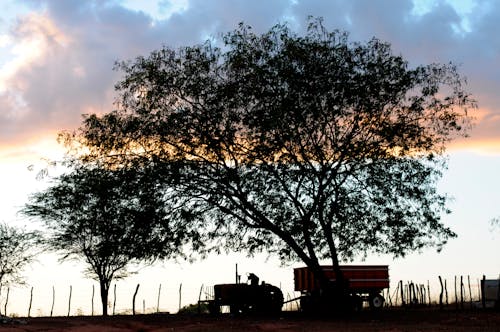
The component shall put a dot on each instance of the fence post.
(53, 300)
(497, 302)
(408, 294)
(396, 293)
(199, 299)
(92, 301)
(429, 293)
(413, 299)
(69, 300)
(389, 302)
(31, 302)
(133, 299)
(6, 302)
(483, 285)
(402, 293)
(478, 289)
(114, 299)
(441, 294)
(446, 291)
(470, 291)
(158, 301)
(180, 296)
(461, 292)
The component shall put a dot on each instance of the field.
(386, 320)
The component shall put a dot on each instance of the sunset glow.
(56, 63)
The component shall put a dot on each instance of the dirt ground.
(387, 320)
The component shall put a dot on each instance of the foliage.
(311, 147)
(495, 223)
(18, 249)
(194, 309)
(109, 218)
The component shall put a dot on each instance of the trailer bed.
(360, 278)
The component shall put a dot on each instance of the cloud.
(64, 51)
(62, 67)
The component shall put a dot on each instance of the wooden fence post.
(397, 294)
(180, 296)
(69, 300)
(199, 299)
(441, 294)
(31, 302)
(6, 301)
(114, 300)
(429, 293)
(497, 302)
(93, 292)
(402, 293)
(407, 299)
(158, 301)
(423, 294)
(413, 299)
(483, 285)
(470, 291)
(133, 299)
(389, 297)
(446, 291)
(53, 300)
(461, 292)
(479, 290)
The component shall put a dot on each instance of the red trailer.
(365, 283)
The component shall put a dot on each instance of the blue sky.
(56, 60)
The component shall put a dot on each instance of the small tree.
(311, 147)
(17, 251)
(109, 219)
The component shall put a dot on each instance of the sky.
(56, 63)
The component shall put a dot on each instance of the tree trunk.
(104, 296)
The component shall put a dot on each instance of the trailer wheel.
(376, 301)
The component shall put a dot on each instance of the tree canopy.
(18, 249)
(308, 146)
(110, 218)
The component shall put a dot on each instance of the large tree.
(110, 218)
(309, 146)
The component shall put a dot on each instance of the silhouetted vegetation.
(310, 147)
(18, 249)
(110, 218)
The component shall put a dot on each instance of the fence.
(71, 300)
(459, 292)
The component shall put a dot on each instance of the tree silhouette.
(18, 249)
(309, 147)
(108, 217)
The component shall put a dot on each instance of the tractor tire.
(270, 300)
(376, 301)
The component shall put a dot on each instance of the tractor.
(243, 298)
